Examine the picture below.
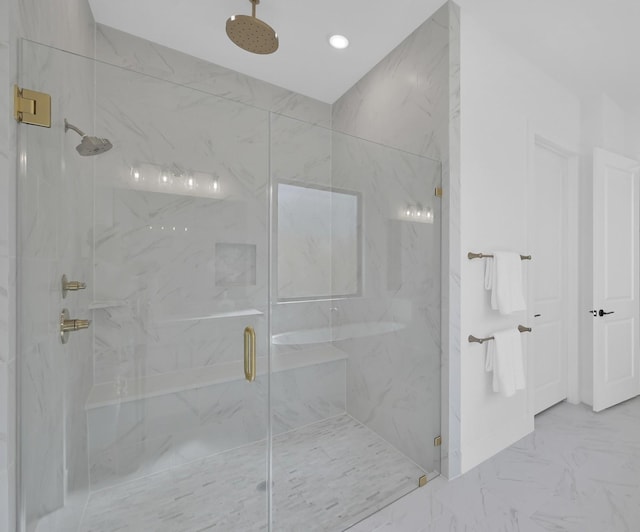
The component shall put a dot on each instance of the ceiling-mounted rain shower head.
(88, 145)
(251, 33)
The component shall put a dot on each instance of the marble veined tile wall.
(7, 289)
(66, 24)
(393, 377)
(413, 116)
(122, 49)
(422, 117)
(300, 156)
(56, 234)
(181, 268)
(452, 261)
(163, 246)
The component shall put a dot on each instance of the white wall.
(504, 101)
(611, 125)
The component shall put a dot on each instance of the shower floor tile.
(327, 476)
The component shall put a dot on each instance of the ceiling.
(590, 46)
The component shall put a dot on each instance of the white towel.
(503, 276)
(506, 360)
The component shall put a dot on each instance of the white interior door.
(548, 345)
(616, 360)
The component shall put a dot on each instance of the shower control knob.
(68, 325)
(71, 286)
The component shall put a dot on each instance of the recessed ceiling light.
(339, 41)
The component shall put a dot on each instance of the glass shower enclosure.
(263, 293)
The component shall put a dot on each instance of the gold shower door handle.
(249, 354)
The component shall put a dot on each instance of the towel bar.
(473, 339)
(471, 255)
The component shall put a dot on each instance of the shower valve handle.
(74, 325)
(71, 286)
(68, 325)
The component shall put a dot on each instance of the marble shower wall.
(393, 373)
(180, 269)
(125, 50)
(300, 155)
(181, 264)
(7, 287)
(66, 24)
(413, 116)
(452, 265)
(419, 117)
(174, 256)
(56, 237)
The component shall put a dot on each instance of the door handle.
(603, 313)
(249, 354)
(537, 315)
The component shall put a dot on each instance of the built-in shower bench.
(113, 393)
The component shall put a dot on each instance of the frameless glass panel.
(355, 388)
(392, 334)
(151, 422)
(55, 237)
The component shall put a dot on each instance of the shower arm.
(68, 126)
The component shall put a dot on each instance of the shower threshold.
(326, 476)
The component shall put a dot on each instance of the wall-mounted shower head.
(251, 33)
(88, 145)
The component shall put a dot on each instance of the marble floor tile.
(578, 472)
(326, 476)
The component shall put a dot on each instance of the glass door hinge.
(31, 107)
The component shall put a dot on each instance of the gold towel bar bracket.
(473, 339)
(471, 255)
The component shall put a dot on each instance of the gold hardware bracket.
(438, 192)
(31, 107)
(422, 481)
(67, 325)
(71, 286)
(437, 441)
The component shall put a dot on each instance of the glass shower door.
(156, 417)
(355, 383)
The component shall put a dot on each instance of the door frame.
(547, 141)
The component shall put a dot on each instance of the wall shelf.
(216, 316)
